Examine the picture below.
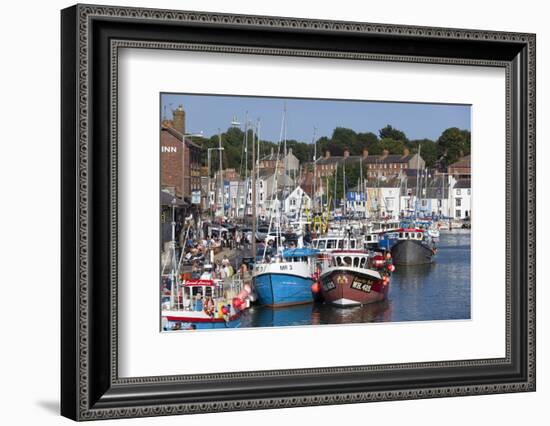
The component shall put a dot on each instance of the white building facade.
(297, 202)
(461, 199)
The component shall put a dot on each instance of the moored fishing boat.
(286, 279)
(205, 304)
(355, 277)
(413, 247)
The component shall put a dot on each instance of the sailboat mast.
(335, 182)
(344, 188)
(361, 185)
(221, 189)
(314, 171)
(245, 161)
(173, 289)
(254, 219)
(417, 168)
(285, 164)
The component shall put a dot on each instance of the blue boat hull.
(283, 289)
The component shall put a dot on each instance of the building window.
(468, 193)
(458, 192)
(458, 213)
(458, 202)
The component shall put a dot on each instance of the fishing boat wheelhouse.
(413, 247)
(204, 304)
(331, 243)
(378, 226)
(286, 279)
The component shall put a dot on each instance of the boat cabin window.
(418, 235)
(352, 242)
(331, 244)
(363, 261)
(356, 262)
(340, 244)
(347, 261)
(321, 244)
(401, 235)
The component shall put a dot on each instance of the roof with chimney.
(390, 158)
(367, 159)
(462, 162)
(282, 179)
(178, 135)
(272, 156)
(338, 159)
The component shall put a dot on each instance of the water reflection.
(438, 291)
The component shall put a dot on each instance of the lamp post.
(173, 289)
(183, 136)
(218, 148)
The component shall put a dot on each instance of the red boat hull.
(347, 288)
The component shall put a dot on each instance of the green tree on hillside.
(392, 145)
(390, 132)
(366, 141)
(453, 143)
(429, 150)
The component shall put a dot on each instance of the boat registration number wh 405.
(362, 284)
(328, 285)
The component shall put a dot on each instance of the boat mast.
(245, 189)
(173, 288)
(285, 164)
(275, 186)
(253, 185)
(361, 183)
(314, 171)
(417, 168)
(344, 188)
(335, 181)
(221, 189)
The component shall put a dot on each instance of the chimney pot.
(406, 152)
(178, 121)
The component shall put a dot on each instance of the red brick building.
(386, 164)
(180, 167)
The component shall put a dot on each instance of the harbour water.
(439, 291)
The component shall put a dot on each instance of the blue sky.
(207, 113)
